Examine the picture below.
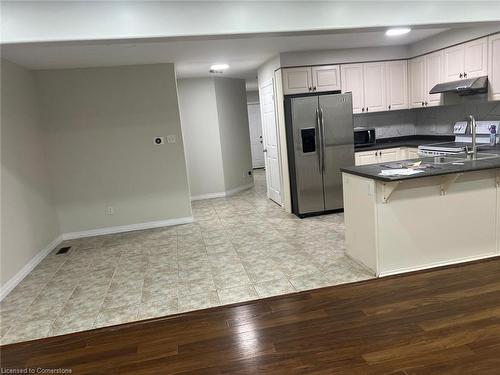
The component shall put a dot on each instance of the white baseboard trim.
(23, 272)
(239, 188)
(222, 194)
(208, 196)
(438, 264)
(127, 228)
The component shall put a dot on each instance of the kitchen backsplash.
(440, 120)
(432, 120)
(388, 124)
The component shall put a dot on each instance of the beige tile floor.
(239, 248)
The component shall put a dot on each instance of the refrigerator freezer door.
(307, 154)
(338, 145)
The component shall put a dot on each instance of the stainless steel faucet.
(471, 126)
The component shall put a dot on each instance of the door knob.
(264, 150)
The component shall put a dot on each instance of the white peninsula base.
(420, 223)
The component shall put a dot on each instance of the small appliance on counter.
(462, 139)
(364, 137)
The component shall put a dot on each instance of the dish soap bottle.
(493, 135)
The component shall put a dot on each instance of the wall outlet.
(111, 210)
(171, 139)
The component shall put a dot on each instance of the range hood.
(467, 86)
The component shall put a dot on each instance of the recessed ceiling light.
(398, 31)
(219, 67)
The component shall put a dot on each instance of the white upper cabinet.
(417, 82)
(433, 76)
(476, 58)
(352, 81)
(466, 60)
(454, 63)
(311, 79)
(374, 86)
(396, 78)
(326, 78)
(494, 66)
(297, 80)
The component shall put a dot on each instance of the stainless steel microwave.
(364, 136)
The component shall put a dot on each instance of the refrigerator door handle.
(318, 137)
(322, 131)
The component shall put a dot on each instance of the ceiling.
(193, 56)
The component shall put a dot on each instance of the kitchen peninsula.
(447, 214)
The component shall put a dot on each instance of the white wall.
(200, 128)
(234, 132)
(340, 56)
(449, 38)
(81, 20)
(28, 214)
(100, 124)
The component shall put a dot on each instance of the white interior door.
(256, 138)
(270, 134)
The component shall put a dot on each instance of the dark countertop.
(406, 141)
(372, 171)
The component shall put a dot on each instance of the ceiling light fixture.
(398, 31)
(218, 68)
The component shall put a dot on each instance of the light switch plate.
(171, 139)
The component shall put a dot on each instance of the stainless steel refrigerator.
(320, 140)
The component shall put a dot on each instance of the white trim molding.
(238, 189)
(23, 272)
(127, 228)
(208, 196)
(222, 194)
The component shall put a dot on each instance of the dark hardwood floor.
(445, 321)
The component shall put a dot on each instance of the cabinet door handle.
(422, 104)
(366, 109)
(310, 88)
(426, 104)
(460, 76)
(363, 109)
(314, 88)
(465, 75)
(389, 106)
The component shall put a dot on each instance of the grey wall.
(440, 120)
(253, 97)
(100, 124)
(29, 221)
(388, 124)
(200, 128)
(234, 133)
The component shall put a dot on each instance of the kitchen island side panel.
(360, 219)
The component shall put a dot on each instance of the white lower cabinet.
(385, 155)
